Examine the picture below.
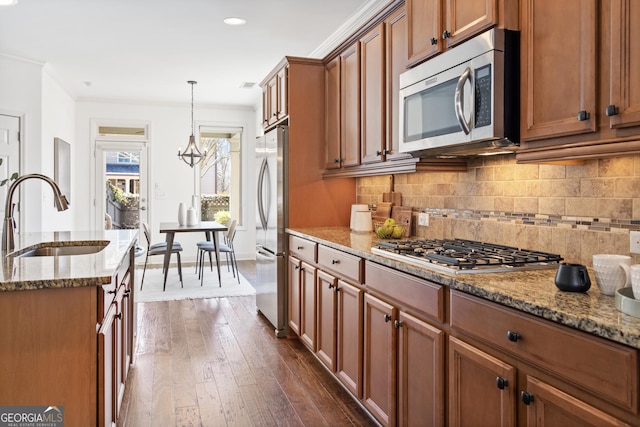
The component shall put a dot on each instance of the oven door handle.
(459, 105)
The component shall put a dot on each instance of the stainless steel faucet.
(60, 200)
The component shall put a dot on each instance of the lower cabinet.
(516, 370)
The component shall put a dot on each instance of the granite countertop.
(532, 292)
(28, 273)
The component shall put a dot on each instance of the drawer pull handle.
(527, 398)
(118, 316)
(127, 293)
(335, 261)
(397, 324)
(513, 336)
(501, 383)
(387, 318)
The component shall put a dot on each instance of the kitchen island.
(530, 350)
(67, 324)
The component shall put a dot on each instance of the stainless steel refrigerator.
(271, 240)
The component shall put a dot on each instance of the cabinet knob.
(296, 267)
(336, 289)
(118, 316)
(527, 398)
(336, 160)
(611, 110)
(433, 41)
(513, 336)
(113, 291)
(330, 285)
(300, 248)
(275, 114)
(397, 324)
(501, 383)
(335, 261)
(583, 115)
(446, 34)
(127, 293)
(387, 318)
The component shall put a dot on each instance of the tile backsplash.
(573, 210)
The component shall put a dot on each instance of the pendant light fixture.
(191, 155)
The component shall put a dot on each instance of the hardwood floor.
(217, 362)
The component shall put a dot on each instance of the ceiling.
(147, 50)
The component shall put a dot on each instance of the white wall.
(170, 128)
(30, 93)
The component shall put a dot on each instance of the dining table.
(211, 230)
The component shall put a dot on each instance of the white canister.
(354, 209)
(192, 219)
(182, 214)
(363, 222)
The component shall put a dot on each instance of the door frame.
(100, 144)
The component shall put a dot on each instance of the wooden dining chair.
(160, 248)
(226, 247)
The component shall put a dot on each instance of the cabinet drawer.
(602, 367)
(303, 249)
(412, 292)
(346, 266)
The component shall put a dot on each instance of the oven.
(460, 256)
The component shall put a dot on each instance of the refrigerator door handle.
(261, 175)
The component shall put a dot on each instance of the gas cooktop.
(458, 256)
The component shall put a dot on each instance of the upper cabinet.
(436, 25)
(372, 104)
(582, 100)
(274, 97)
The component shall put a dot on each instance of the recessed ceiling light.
(234, 21)
(8, 2)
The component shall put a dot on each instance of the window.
(220, 172)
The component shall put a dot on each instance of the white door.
(125, 166)
(10, 155)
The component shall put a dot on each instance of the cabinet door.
(332, 114)
(482, 389)
(379, 378)
(396, 61)
(265, 106)
(326, 324)
(349, 355)
(308, 305)
(420, 372)
(625, 63)
(272, 100)
(548, 406)
(372, 105)
(282, 101)
(423, 29)
(107, 376)
(466, 18)
(558, 68)
(350, 106)
(294, 301)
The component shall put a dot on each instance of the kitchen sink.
(62, 249)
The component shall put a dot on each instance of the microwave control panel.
(483, 96)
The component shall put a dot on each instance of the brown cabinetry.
(373, 91)
(403, 354)
(350, 106)
(69, 347)
(334, 153)
(274, 97)
(599, 115)
(533, 372)
(436, 25)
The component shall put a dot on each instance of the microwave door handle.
(459, 107)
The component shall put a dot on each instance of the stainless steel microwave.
(465, 101)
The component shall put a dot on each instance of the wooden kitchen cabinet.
(373, 93)
(294, 302)
(332, 115)
(540, 373)
(308, 305)
(396, 60)
(71, 347)
(274, 97)
(436, 25)
(403, 354)
(350, 106)
(327, 319)
(593, 75)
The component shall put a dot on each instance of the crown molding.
(357, 20)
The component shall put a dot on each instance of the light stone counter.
(42, 272)
(532, 292)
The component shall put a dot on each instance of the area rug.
(153, 279)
